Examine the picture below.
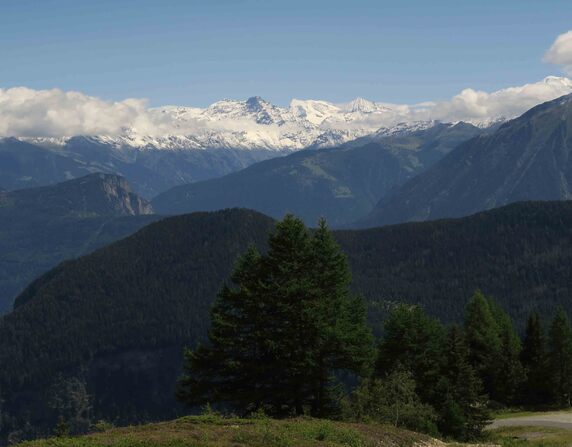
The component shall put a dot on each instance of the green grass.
(532, 437)
(214, 431)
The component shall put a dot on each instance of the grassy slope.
(532, 437)
(212, 431)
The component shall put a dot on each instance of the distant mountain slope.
(93, 195)
(24, 165)
(118, 318)
(341, 184)
(149, 170)
(528, 158)
(40, 227)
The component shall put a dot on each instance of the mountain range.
(411, 174)
(528, 158)
(342, 184)
(177, 145)
(258, 124)
(440, 171)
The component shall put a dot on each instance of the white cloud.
(560, 53)
(472, 105)
(55, 113)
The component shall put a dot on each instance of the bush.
(393, 400)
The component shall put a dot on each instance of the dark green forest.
(115, 322)
(289, 325)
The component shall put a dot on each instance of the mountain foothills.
(114, 323)
(40, 227)
(341, 184)
(528, 158)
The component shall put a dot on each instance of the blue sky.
(196, 52)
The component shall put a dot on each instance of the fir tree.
(464, 413)
(279, 335)
(560, 357)
(510, 374)
(342, 340)
(534, 360)
(482, 335)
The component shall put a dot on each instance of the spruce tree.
(281, 332)
(560, 358)
(342, 340)
(510, 372)
(464, 411)
(534, 360)
(483, 339)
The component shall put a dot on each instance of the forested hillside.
(40, 227)
(118, 319)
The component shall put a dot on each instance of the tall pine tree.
(510, 372)
(464, 411)
(483, 339)
(535, 362)
(283, 330)
(560, 358)
(342, 340)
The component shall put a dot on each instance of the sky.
(197, 52)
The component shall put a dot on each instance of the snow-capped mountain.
(260, 125)
(251, 124)
(257, 124)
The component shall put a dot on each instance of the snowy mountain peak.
(256, 123)
(362, 105)
(257, 103)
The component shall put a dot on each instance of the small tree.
(415, 341)
(62, 428)
(281, 332)
(393, 400)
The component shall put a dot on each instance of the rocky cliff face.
(96, 195)
(117, 197)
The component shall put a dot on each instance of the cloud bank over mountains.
(560, 53)
(32, 113)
